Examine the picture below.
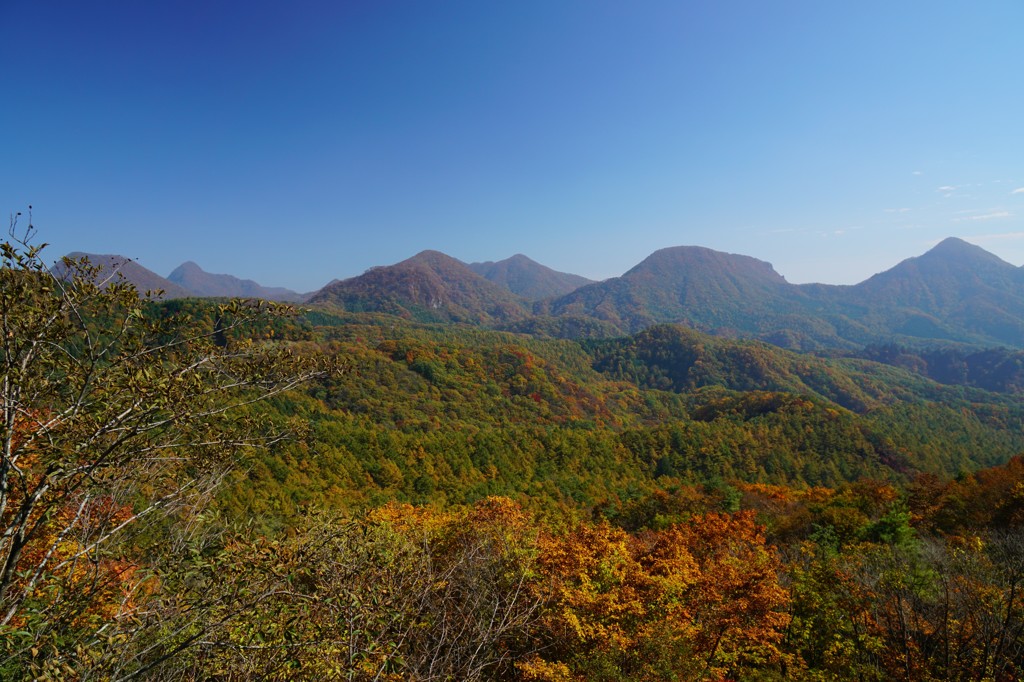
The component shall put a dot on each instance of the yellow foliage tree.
(695, 601)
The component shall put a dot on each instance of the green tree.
(116, 423)
(397, 593)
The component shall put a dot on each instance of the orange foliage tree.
(697, 600)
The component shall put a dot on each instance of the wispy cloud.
(1019, 190)
(897, 210)
(993, 215)
(917, 173)
(946, 188)
(1000, 237)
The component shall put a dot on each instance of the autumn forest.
(213, 488)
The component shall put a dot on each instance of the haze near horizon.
(297, 144)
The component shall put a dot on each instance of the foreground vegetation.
(196, 490)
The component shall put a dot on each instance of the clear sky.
(296, 142)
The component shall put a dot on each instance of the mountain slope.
(955, 291)
(708, 290)
(114, 266)
(529, 279)
(192, 277)
(429, 287)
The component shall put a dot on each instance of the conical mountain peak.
(430, 286)
(965, 253)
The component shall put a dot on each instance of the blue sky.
(297, 142)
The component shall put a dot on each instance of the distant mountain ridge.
(114, 266)
(188, 280)
(201, 283)
(528, 278)
(955, 293)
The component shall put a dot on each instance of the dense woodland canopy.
(198, 489)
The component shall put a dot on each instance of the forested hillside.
(442, 413)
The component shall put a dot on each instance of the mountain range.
(112, 267)
(193, 278)
(188, 280)
(956, 293)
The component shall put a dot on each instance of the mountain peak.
(956, 248)
(952, 243)
(955, 285)
(431, 287)
(717, 263)
(113, 265)
(709, 290)
(192, 277)
(431, 257)
(526, 277)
